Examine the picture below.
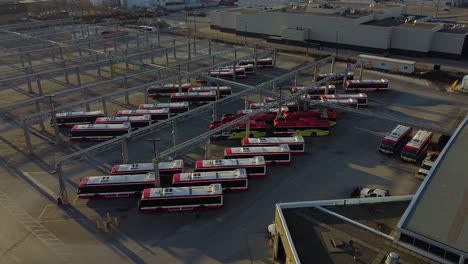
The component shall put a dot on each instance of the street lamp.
(154, 145)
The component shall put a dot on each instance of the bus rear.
(166, 170)
(156, 114)
(394, 141)
(235, 180)
(366, 85)
(98, 132)
(274, 155)
(114, 186)
(296, 144)
(417, 146)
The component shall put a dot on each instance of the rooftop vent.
(392, 258)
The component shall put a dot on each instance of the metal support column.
(104, 106)
(27, 137)
(295, 80)
(156, 161)
(159, 38)
(360, 71)
(30, 90)
(247, 127)
(235, 54)
(167, 59)
(67, 80)
(234, 70)
(152, 54)
(56, 129)
(39, 86)
(209, 47)
(315, 74)
(145, 92)
(21, 59)
(38, 110)
(125, 151)
(28, 56)
(111, 68)
(215, 113)
(138, 41)
(63, 188)
(333, 65)
(189, 51)
(275, 54)
(126, 61)
(246, 102)
(345, 75)
(174, 49)
(78, 79)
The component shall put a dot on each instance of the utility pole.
(154, 140)
(245, 33)
(156, 160)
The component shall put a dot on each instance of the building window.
(406, 239)
(453, 257)
(405, 67)
(437, 251)
(421, 244)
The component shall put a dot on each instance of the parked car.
(365, 192)
(427, 164)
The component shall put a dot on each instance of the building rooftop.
(324, 234)
(455, 30)
(400, 22)
(440, 208)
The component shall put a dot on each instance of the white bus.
(366, 85)
(223, 90)
(167, 89)
(134, 121)
(69, 119)
(296, 143)
(255, 167)
(361, 98)
(280, 155)
(156, 114)
(98, 132)
(114, 186)
(351, 102)
(181, 198)
(417, 146)
(174, 108)
(395, 140)
(166, 169)
(235, 180)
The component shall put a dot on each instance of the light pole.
(154, 145)
(336, 43)
(245, 33)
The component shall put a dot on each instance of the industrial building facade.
(378, 31)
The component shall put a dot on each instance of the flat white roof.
(439, 209)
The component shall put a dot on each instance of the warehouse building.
(382, 30)
(429, 227)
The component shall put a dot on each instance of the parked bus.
(69, 119)
(248, 69)
(223, 90)
(113, 33)
(296, 144)
(261, 117)
(96, 187)
(166, 170)
(280, 155)
(316, 91)
(227, 73)
(174, 108)
(194, 98)
(417, 146)
(255, 167)
(98, 132)
(361, 98)
(257, 129)
(312, 114)
(181, 198)
(338, 80)
(167, 89)
(261, 63)
(235, 180)
(350, 102)
(301, 127)
(366, 85)
(156, 114)
(134, 121)
(394, 141)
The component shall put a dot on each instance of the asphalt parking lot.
(331, 168)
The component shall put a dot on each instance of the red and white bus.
(261, 63)
(69, 119)
(257, 129)
(361, 98)
(280, 155)
(156, 114)
(366, 85)
(301, 127)
(134, 121)
(268, 99)
(417, 146)
(261, 117)
(174, 108)
(337, 80)
(312, 114)
(255, 167)
(395, 140)
(249, 68)
(316, 91)
(223, 90)
(235, 180)
(167, 89)
(98, 132)
(350, 102)
(166, 170)
(194, 98)
(181, 198)
(296, 144)
(96, 187)
(227, 73)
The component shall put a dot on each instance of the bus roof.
(343, 96)
(117, 179)
(123, 119)
(421, 137)
(90, 113)
(164, 105)
(302, 121)
(213, 189)
(396, 133)
(368, 81)
(144, 111)
(325, 74)
(278, 140)
(240, 173)
(175, 164)
(299, 88)
(171, 85)
(208, 88)
(210, 93)
(124, 126)
(255, 161)
(340, 100)
(271, 149)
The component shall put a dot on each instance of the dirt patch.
(441, 76)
